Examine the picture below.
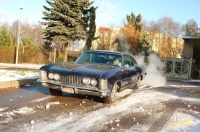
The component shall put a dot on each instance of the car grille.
(72, 80)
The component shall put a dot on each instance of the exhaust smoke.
(154, 69)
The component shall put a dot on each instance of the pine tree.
(136, 37)
(135, 21)
(64, 21)
(6, 38)
(91, 24)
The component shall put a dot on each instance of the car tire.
(55, 92)
(112, 97)
(137, 85)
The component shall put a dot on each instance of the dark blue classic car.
(99, 73)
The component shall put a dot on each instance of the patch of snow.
(192, 81)
(183, 120)
(7, 117)
(11, 75)
(184, 86)
(32, 122)
(3, 108)
(47, 106)
(41, 99)
(71, 114)
(28, 66)
(87, 120)
(187, 81)
(117, 120)
(23, 110)
(101, 116)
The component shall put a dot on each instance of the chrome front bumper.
(85, 90)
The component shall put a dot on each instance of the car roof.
(110, 52)
(105, 51)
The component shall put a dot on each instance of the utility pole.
(18, 35)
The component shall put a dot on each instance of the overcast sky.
(110, 13)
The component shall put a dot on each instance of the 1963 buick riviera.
(99, 73)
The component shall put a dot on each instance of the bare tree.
(32, 34)
(191, 28)
(106, 39)
(169, 27)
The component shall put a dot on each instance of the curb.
(185, 81)
(17, 83)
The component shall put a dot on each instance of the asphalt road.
(32, 108)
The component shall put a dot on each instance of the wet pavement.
(32, 108)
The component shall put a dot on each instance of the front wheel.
(55, 92)
(137, 85)
(112, 97)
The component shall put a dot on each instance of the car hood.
(83, 69)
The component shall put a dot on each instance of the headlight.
(93, 82)
(51, 76)
(56, 77)
(86, 81)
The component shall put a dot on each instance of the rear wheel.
(55, 92)
(112, 97)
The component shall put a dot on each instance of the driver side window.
(129, 62)
(133, 62)
(126, 60)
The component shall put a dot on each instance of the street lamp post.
(18, 35)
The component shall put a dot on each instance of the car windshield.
(100, 58)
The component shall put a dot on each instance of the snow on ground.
(3, 108)
(28, 66)
(184, 86)
(187, 81)
(183, 121)
(104, 115)
(10, 75)
(192, 81)
(8, 116)
(48, 105)
(41, 99)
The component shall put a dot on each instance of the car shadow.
(43, 90)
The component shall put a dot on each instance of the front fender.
(116, 76)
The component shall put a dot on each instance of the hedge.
(33, 55)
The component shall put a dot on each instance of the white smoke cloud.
(154, 69)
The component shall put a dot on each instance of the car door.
(130, 68)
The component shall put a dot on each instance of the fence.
(33, 55)
(178, 68)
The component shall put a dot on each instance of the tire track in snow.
(160, 123)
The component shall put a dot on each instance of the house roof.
(104, 29)
(191, 38)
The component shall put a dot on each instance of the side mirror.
(126, 67)
(131, 68)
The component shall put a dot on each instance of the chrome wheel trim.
(114, 92)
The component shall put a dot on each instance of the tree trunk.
(92, 29)
(65, 54)
(54, 55)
